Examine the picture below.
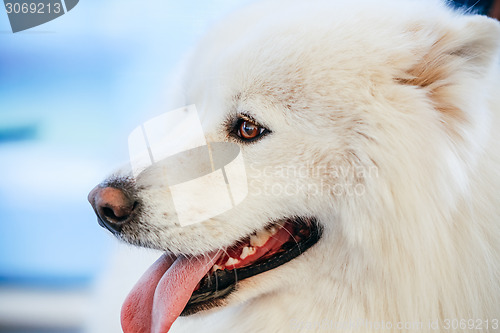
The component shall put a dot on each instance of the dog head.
(347, 117)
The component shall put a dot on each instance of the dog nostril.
(113, 207)
(118, 214)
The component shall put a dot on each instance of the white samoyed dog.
(370, 137)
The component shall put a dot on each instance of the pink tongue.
(163, 291)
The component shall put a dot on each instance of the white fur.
(335, 83)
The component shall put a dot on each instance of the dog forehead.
(302, 57)
(255, 51)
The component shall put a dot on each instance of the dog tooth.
(264, 233)
(247, 251)
(231, 261)
(215, 267)
(260, 238)
(244, 252)
(254, 241)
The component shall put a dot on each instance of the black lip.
(222, 283)
(115, 230)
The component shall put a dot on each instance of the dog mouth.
(184, 285)
(264, 250)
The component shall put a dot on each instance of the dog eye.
(248, 130)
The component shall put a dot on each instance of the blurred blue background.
(71, 90)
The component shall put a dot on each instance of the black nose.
(112, 206)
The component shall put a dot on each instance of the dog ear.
(450, 59)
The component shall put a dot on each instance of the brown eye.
(247, 130)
